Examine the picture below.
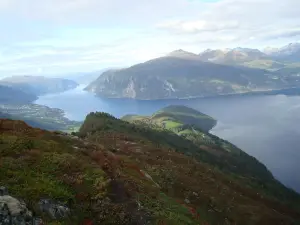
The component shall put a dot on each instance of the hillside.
(173, 117)
(120, 173)
(39, 116)
(183, 77)
(38, 85)
(191, 125)
(236, 164)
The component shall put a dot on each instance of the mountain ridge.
(38, 85)
(177, 77)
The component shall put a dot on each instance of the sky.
(52, 37)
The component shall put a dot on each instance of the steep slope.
(193, 126)
(39, 85)
(127, 174)
(15, 96)
(182, 77)
(247, 174)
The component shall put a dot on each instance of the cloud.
(100, 11)
(69, 35)
(246, 21)
(285, 33)
(195, 26)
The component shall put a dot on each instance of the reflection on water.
(263, 126)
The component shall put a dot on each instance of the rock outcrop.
(15, 212)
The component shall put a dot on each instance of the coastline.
(285, 91)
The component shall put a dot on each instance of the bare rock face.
(15, 212)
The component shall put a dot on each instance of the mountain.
(38, 85)
(116, 172)
(252, 58)
(183, 54)
(288, 53)
(183, 77)
(15, 96)
(231, 56)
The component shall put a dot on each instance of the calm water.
(266, 127)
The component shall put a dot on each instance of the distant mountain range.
(182, 74)
(290, 52)
(38, 85)
(269, 58)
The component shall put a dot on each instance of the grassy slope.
(222, 149)
(175, 116)
(121, 173)
(183, 121)
(196, 175)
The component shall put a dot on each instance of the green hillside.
(116, 172)
(150, 145)
(181, 120)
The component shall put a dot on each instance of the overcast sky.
(61, 36)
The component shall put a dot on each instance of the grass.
(142, 177)
(159, 114)
(35, 168)
(168, 211)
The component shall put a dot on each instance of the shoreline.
(284, 91)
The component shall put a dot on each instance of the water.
(266, 127)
